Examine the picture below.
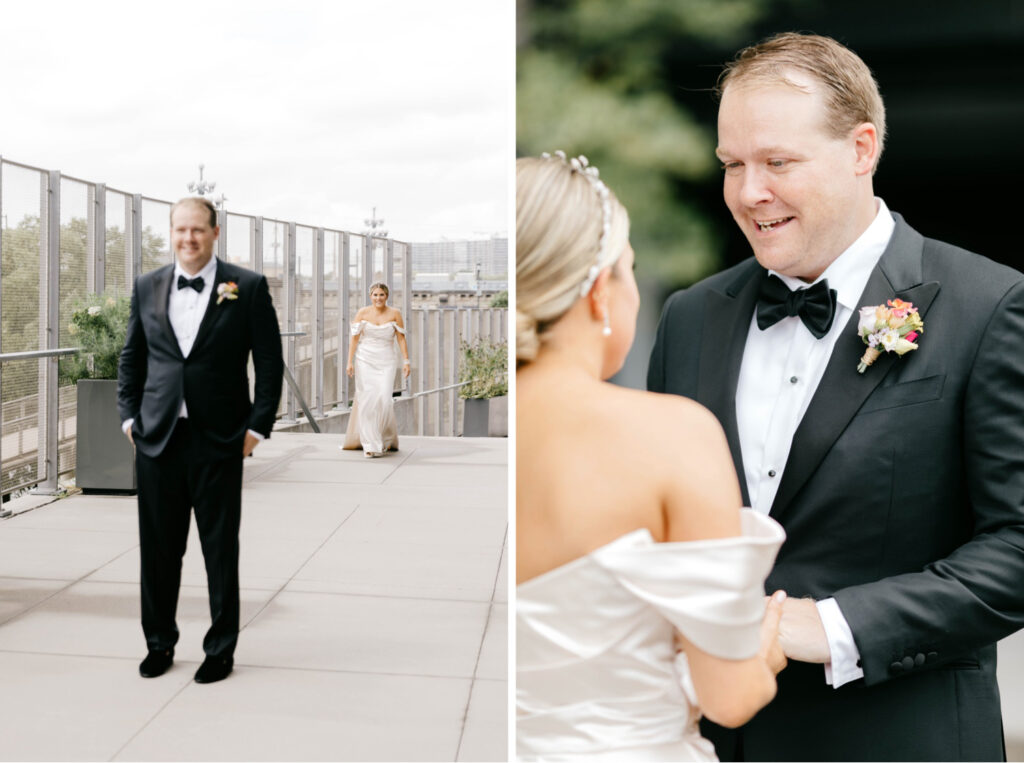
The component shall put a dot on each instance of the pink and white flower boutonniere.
(892, 327)
(227, 290)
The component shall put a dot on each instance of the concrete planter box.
(485, 417)
(105, 459)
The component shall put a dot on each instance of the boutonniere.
(892, 327)
(227, 290)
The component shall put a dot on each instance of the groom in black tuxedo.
(901, 489)
(183, 395)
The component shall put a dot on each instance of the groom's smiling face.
(192, 236)
(795, 190)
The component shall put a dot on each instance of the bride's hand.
(350, 370)
(770, 651)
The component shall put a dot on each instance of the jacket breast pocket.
(905, 393)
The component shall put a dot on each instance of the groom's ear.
(598, 296)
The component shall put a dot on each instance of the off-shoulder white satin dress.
(598, 677)
(371, 425)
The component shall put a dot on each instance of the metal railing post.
(49, 455)
(222, 237)
(99, 238)
(256, 245)
(290, 309)
(317, 367)
(343, 323)
(137, 236)
(438, 370)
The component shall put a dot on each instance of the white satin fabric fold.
(372, 421)
(598, 677)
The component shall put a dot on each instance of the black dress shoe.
(156, 663)
(214, 669)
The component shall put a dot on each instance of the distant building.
(445, 273)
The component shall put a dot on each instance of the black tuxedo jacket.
(903, 497)
(154, 377)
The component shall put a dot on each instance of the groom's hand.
(251, 441)
(801, 633)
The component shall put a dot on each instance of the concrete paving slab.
(366, 634)
(371, 471)
(458, 451)
(264, 561)
(269, 714)
(486, 734)
(46, 553)
(452, 527)
(58, 707)
(428, 496)
(102, 620)
(493, 663)
(501, 585)
(103, 513)
(390, 568)
(452, 475)
(20, 594)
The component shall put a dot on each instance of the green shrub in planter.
(485, 366)
(98, 326)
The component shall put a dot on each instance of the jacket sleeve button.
(918, 660)
(908, 662)
(896, 667)
(932, 656)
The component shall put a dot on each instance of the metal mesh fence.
(73, 285)
(117, 262)
(239, 230)
(23, 192)
(64, 239)
(332, 314)
(156, 245)
(304, 319)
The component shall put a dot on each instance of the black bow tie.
(816, 305)
(196, 283)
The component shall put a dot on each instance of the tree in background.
(593, 79)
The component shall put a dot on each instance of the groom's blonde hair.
(849, 88)
(559, 222)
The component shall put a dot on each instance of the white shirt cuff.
(845, 664)
(126, 425)
(257, 435)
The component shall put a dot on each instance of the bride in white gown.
(372, 360)
(640, 599)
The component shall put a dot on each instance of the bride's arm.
(702, 501)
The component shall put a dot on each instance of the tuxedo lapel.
(726, 322)
(213, 310)
(161, 300)
(842, 390)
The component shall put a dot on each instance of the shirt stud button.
(793, 380)
(771, 472)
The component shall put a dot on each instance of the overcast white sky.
(313, 111)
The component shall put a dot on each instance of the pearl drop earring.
(607, 330)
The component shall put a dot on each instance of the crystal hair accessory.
(581, 165)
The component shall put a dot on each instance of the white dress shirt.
(781, 369)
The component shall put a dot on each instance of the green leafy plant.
(485, 366)
(499, 300)
(98, 326)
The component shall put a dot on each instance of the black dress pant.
(169, 487)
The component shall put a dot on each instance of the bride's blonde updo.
(561, 234)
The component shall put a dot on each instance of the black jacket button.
(918, 660)
(908, 662)
(896, 667)
(932, 656)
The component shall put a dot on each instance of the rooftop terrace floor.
(374, 617)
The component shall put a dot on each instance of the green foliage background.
(485, 365)
(592, 79)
